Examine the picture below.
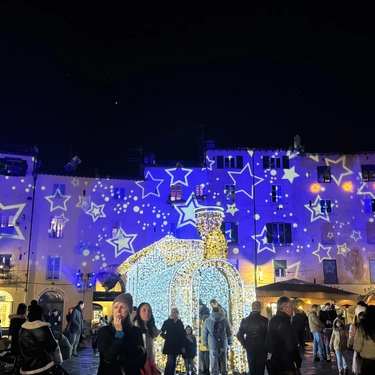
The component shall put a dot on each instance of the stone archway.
(51, 300)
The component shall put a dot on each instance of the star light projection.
(315, 210)
(342, 162)
(187, 212)
(263, 241)
(322, 252)
(179, 175)
(15, 210)
(96, 211)
(150, 186)
(58, 201)
(343, 250)
(241, 180)
(123, 242)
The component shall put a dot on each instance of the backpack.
(219, 332)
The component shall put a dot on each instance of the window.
(369, 204)
(330, 272)
(119, 194)
(230, 162)
(5, 265)
(327, 233)
(325, 206)
(279, 233)
(277, 193)
(7, 225)
(230, 231)
(368, 172)
(176, 192)
(280, 268)
(275, 162)
(370, 231)
(13, 167)
(199, 190)
(372, 271)
(230, 193)
(53, 268)
(58, 190)
(57, 227)
(324, 174)
(116, 228)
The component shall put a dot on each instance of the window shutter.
(22, 168)
(266, 162)
(285, 162)
(269, 233)
(239, 162)
(220, 162)
(234, 232)
(288, 232)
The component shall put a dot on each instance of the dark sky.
(249, 76)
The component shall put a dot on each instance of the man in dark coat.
(252, 335)
(327, 315)
(55, 320)
(299, 323)
(173, 332)
(76, 327)
(218, 349)
(281, 340)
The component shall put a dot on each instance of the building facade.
(288, 214)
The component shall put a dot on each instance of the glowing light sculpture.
(175, 272)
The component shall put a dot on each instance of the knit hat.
(359, 309)
(126, 299)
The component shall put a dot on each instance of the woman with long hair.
(364, 341)
(144, 320)
(120, 344)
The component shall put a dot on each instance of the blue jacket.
(208, 329)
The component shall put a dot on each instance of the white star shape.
(123, 242)
(232, 209)
(315, 211)
(364, 185)
(150, 186)
(341, 160)
(175, 178)
(241, 180)
(330, 235)
(343, 250)
(187, 212)
(63, 218)
(209, 163)
(96, 211)
(297, 266)
(290, 174)
(75, 182)
(329, 267)
(356, 235)
(263, 237)
(84, 203)
(58, 200)
(322, 249)
(19, 208)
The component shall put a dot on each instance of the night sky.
(100, 81)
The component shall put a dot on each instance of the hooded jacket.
(36, 342)
(208, 331)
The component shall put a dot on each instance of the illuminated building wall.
(277, 216)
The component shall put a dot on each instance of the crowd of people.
(125, 341)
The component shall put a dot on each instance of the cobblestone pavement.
(87, 363)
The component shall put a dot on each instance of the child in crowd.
(339, 343)
(190, 350)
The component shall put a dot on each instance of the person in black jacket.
(173, 332)
(16, 321)
(37, 343)
(281, 340)
(190, 350)
(120, 344)
(327, 315)
(299, 322)
(252, 336)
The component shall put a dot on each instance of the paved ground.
(87, 364)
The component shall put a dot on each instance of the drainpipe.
(255, 229)
(35, 175)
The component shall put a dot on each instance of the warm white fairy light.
(174, 272)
